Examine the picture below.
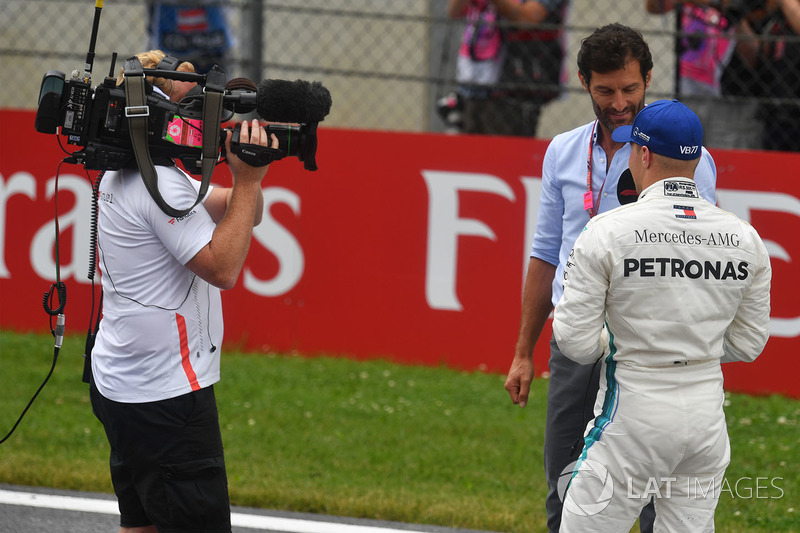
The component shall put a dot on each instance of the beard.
(604, 116)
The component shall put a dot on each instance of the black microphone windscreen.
(293, 101)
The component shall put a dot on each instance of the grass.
(372, 439)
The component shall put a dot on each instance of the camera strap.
(137, 113)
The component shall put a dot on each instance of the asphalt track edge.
(73, 504)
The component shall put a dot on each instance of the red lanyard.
(588, 199)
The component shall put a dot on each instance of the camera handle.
(138, 112)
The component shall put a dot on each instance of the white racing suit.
(680, 286)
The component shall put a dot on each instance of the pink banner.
(408, 247)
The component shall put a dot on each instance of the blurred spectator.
(707, 51)
(194, 31)
(506, 73)
(778, 69)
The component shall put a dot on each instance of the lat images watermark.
(744, 488)
(597, 488)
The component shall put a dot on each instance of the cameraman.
(157, 354)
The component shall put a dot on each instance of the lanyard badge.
(588, 199)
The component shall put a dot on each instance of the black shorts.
(167, 464)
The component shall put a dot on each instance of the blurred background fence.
(387, 63)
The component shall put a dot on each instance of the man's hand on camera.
(253, 154)
(250, 134)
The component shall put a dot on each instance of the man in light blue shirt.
(584, 172)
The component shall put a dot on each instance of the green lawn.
(372, 439)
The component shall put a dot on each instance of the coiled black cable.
(93, 227)
(55, 289)
(91, 333)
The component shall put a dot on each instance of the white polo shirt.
(162, 325)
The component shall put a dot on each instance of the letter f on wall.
(445, 227)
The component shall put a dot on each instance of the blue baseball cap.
(666, 127)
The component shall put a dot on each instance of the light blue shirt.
(561, 210)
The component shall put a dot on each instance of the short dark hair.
(610, 47)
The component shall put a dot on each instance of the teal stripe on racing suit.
(610, 403)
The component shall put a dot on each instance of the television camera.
(95, 119)
(135, 125)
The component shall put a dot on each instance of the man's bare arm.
(536, 308)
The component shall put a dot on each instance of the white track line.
(287, 525)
